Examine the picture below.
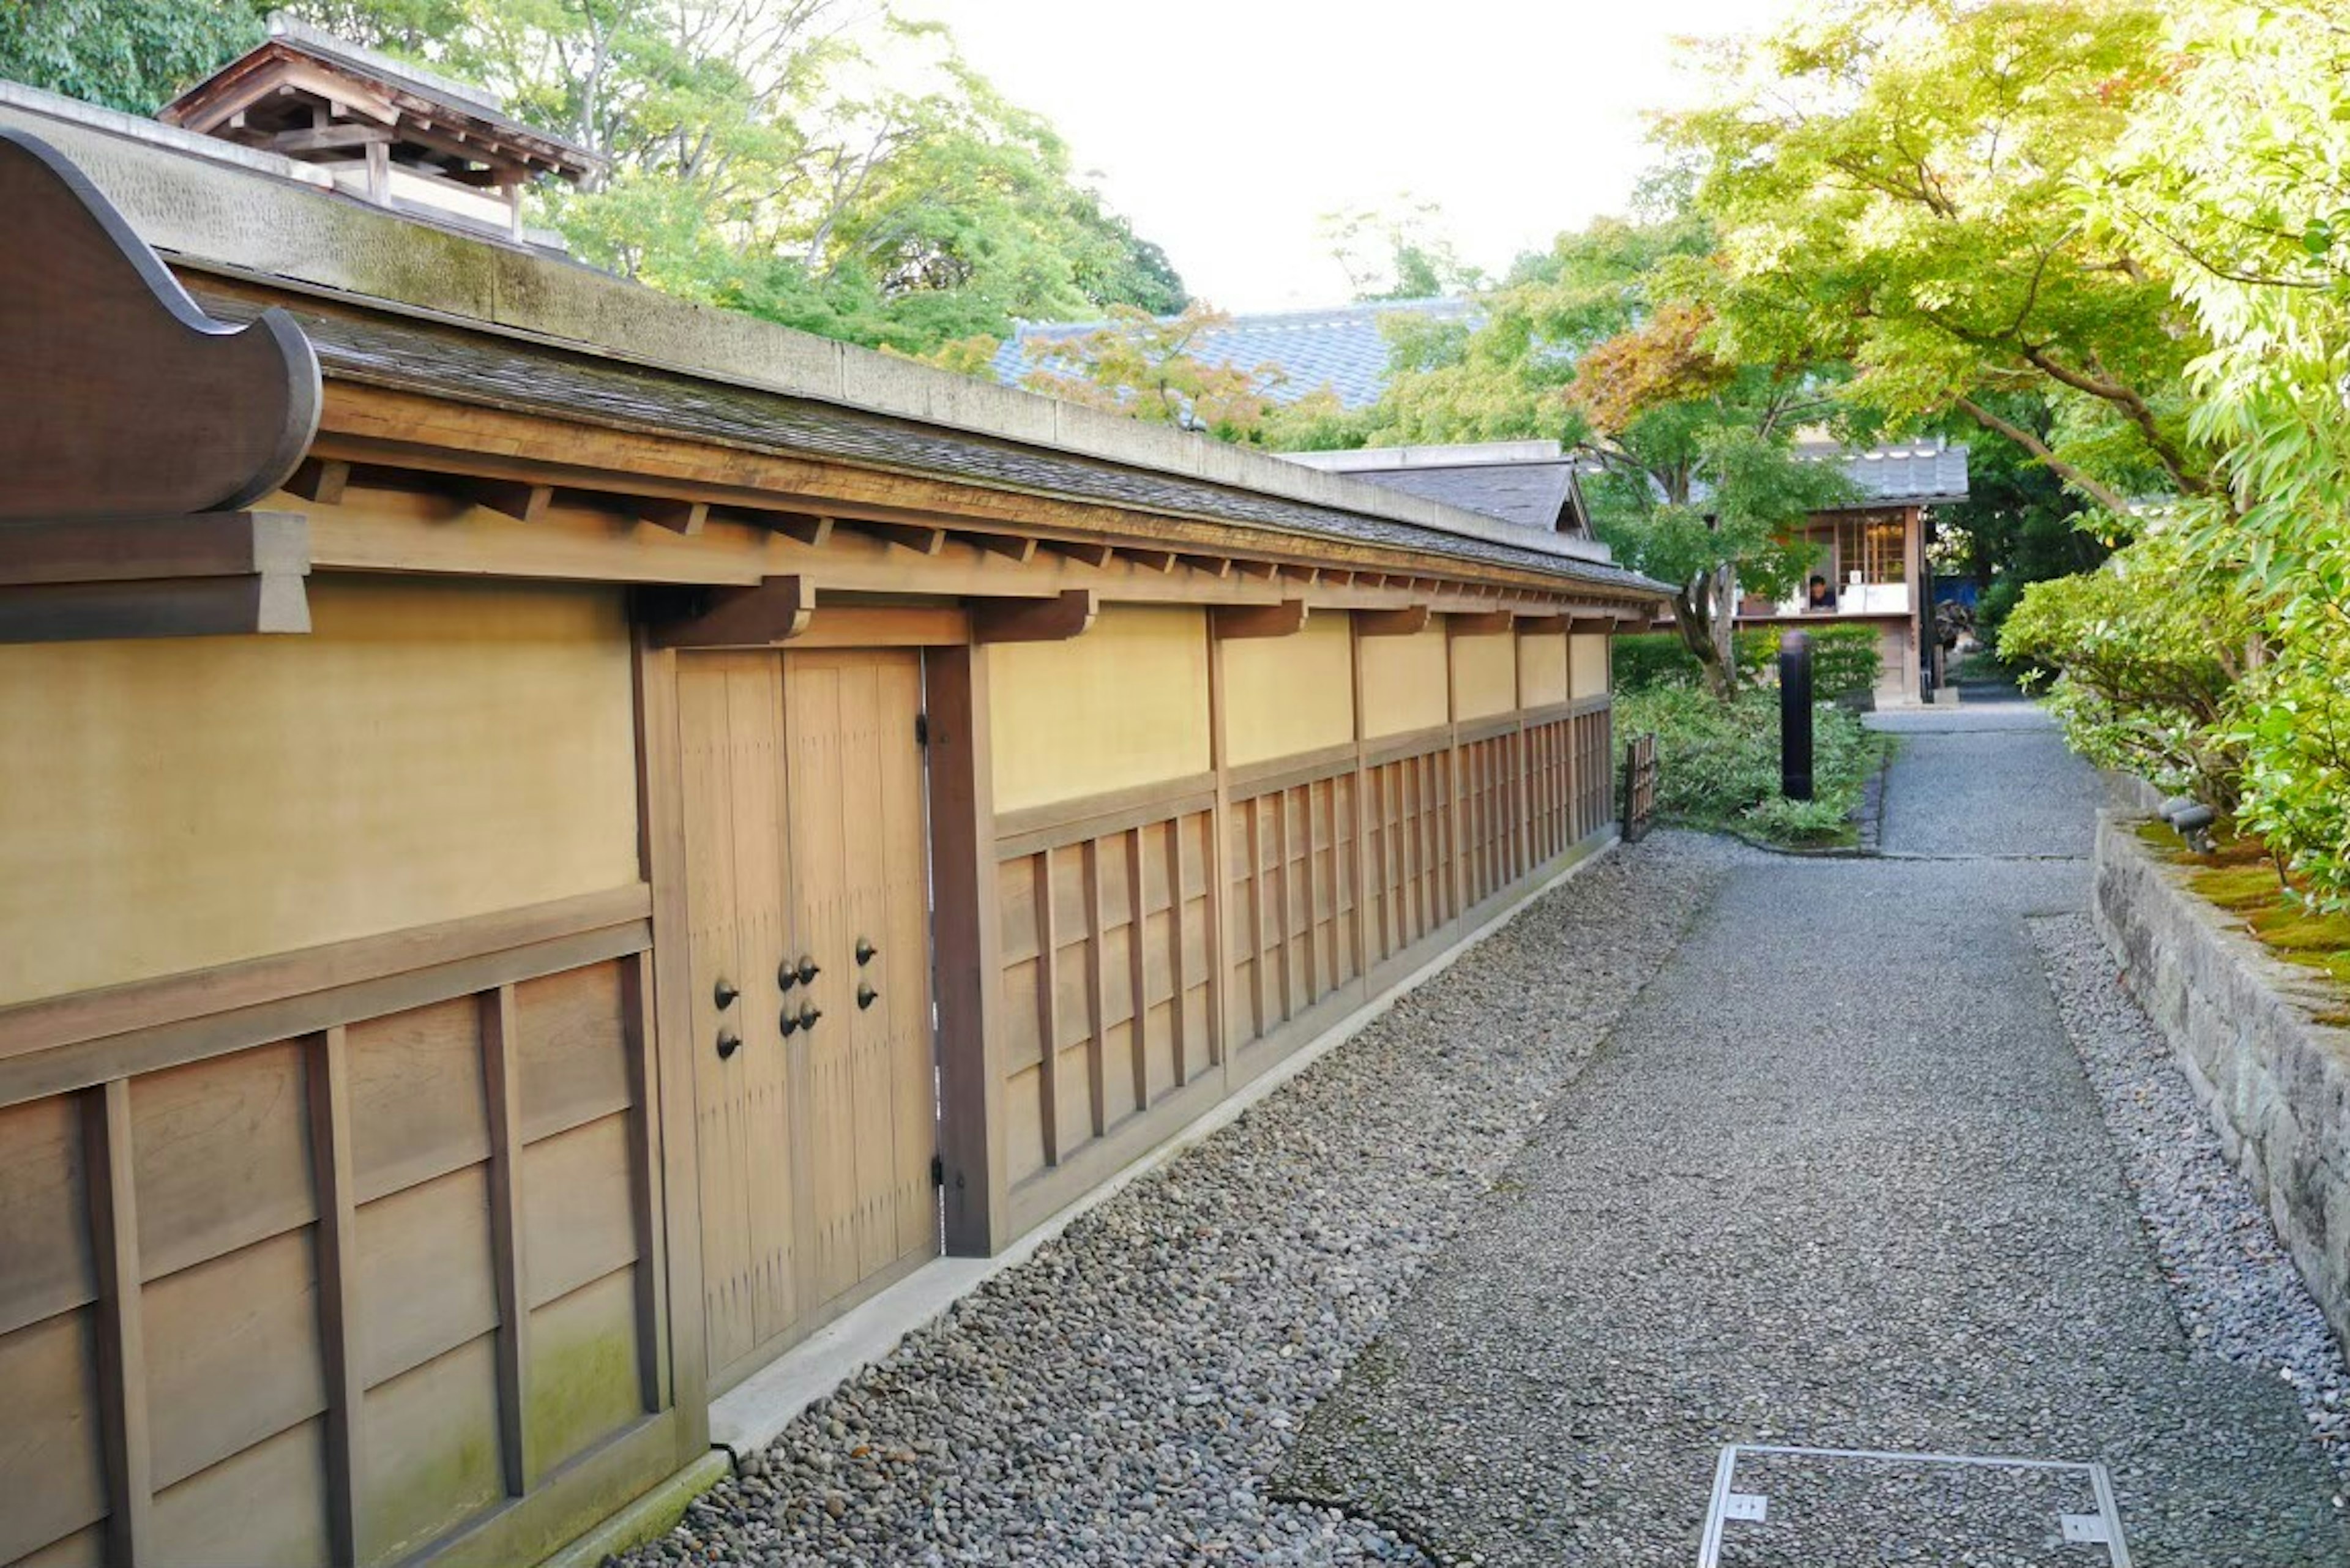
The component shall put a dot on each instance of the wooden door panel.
(763, 921)
(706, 746)
(901, 973)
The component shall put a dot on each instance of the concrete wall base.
(649, 1517)
(2275, 1082)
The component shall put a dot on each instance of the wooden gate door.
(808, 890)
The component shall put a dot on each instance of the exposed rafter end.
(1284, 620)
(677, 516)
(918, 537)
(1016, 547)
(1080, 551)
(776, 611)
(1407, 622)
(1151, 560)
(1262, 571)
(321, 480)
(1214, 566)
(1066, 615)
(516, 498)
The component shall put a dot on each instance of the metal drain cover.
(1815, 1508)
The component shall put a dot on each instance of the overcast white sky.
(1224, 128)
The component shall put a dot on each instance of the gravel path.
(1837, 1179)
(2238, 1294)
(1125, 1395)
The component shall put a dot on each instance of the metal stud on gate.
(865, 997)
(723, 994)
(865, 951)
(728, 1043)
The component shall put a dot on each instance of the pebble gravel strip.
(1124, 1394)
(2238, 1295)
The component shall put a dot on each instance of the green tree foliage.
(2149, 651)
(2235, 181)
(819, 162)
(2019, 524)
(131, 55)
(1893, 185)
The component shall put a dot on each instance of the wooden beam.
(1218, 566)
(1409, 622)
(502, 1081)
(1011, 546)
(327, 139)
(1588, 625)
(322, 480)
(1150, 560)
(128, 549)
(1262, 571)
(260, 602)
(912, 536)
(1282, 619)
(776, 611)
(1055, 619)
(973, 1137)
(1483, 624)
(1540, 625)
(677, 516)
(124, 1443)
(515, 498)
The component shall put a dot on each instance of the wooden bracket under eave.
(1057, 619)
(776, 611)
(1480, 623)
(1284, 620)
(210, 574)
(518, 499)
(1407, 622)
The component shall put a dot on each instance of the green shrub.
(1845, 657)
(2147, 650)
(1648, 659)
(1718, 763)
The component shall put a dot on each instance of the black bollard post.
(1795, 715)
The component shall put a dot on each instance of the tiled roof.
(1342, 349)
(502, 371)
(1903, 473)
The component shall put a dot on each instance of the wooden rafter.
(1011, 546)
(1217, 567)
(920, 539)
(518, 499)
(1084, 552)
(1149, 560)
(677, 516)
(322, 481)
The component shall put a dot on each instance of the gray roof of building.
(1531, 494)
(491, 368)
(1343, 348)
(1921, 472)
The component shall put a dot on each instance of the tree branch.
(2104, 495)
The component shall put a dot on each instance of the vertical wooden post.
(1218, 865)
(1360, 934)
(1096, 989)
(1137, 976)
(972, 1153)
(339, 1326)
(1455, 780)
(122, 1342)
(665, 1015)
(501, 1079)
(1178, 979)
(1048, 1008)
(645, 1182)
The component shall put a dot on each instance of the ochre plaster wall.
(1541, 668)
(427, 753)
(1405, 682)
(1484, 676)
(1285, 695)
(1125, 704)
(1589, 662)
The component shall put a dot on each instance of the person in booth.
(1817, 596)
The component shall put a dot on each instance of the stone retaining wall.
(2275, 1084)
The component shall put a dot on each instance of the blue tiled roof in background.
(1917, 473)
(1342, 349)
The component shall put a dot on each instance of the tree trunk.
(1701, 615)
